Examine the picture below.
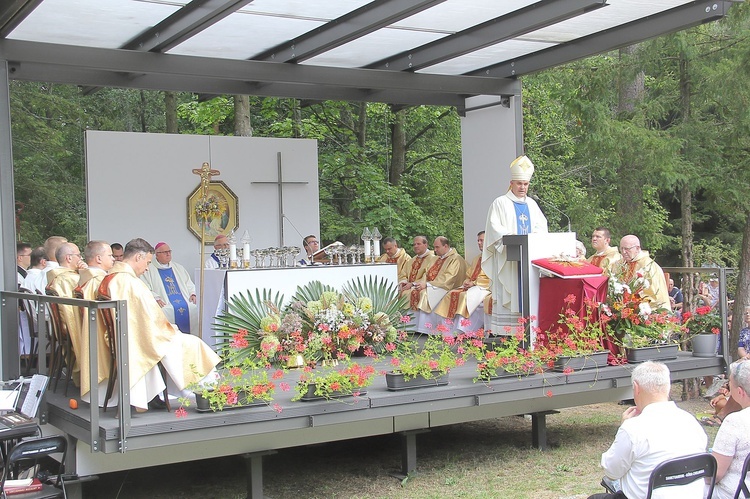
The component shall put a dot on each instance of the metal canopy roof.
(396, 51)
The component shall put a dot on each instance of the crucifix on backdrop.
(280, 182)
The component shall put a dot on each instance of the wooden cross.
(205, 173)
(280, 184)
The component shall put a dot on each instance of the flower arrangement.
(630, 318)
(704, 321)
(578, 332)
(320, 323)
(506, 354)
(349, 380)
(433, 359)
(207, 209)
(240, 381)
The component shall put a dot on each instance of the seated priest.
(173, 290)
(445, 272)
(151, 337)
(62, 280)
(220, 243)
(100, 258)
(415, 268)
(605, 256)
(394, 254)
(511, 213)
(636, 261)
(470, 301)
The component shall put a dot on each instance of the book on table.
(23, 486)
(31, 392)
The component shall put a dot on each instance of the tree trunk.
(398, 148)
(170, 111)
(142, 112)
(630, 186)
(242, 126)
(296, 119)
(362, 125)
(742, 295)
(688, 284)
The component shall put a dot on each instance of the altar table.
(221, 284)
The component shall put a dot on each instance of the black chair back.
(682, 471)
(742, 486)
(26, 454)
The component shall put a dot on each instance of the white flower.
(644, 309)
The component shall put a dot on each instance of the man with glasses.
(63, 280)
(23, 260)
(637, 263)
(310, 245)
(173, 289)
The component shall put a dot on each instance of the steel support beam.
(9, 311)
(12, 12)
(669, 21)
(500, 29)
(355, 24)
(191, 19)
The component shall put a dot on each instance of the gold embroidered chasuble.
(150, 333)
(63, 281)
(455, 302)
(606, 259)
(88, 285)
(445, 273)
(401, 260)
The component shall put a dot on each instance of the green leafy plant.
(433, 359)
(330, 383)
(504, 353)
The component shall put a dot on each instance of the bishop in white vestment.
(512, 213)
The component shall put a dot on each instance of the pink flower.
(465, 323)
(284, 386)
(278, 374)
(568, 370)
(235, 371)
(428, 325)
(549, 393)
(181, 412)
(405, 319)
(390, 347)
(395, 362)
(433, 364)
(276, 407)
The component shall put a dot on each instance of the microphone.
(550, 205)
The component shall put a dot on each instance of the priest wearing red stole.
(415, 268)
(464, 301)
(446, 272)
(606, 256)
(394, 254)
(635, 261)
(510, 214)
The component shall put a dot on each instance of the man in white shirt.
(653, 431)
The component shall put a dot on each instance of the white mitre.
(521, 169)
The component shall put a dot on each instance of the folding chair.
(682, 471)
(26, 454)
(63, 354)
(30, 311)
(742, 487)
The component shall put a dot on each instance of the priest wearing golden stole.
(511, 213)
(475, 290)
(151, 337)
(635, 261)
(395, 254)
(416, 267)
(606, 256)
(63, 280)
(100, 258)
(446, 272)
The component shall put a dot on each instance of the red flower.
(335, 385)
(278, 374)
(181, 412)
(549, 393)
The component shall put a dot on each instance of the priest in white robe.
(173, 290)
(510, 214)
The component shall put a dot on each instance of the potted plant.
(643, 333)
(503, 357)
(703, 327)
(326, 384)
(416, 365)
(241, 381)
(575, 342)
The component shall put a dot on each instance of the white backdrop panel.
(138, 184)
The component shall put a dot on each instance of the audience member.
(636, 260)
(511, 213)
(713, 290)
(675, 296)
(732, 443)
(117, 251)
(653, 431)
(173, 290)
(151, 338)
(605, 256)
(220, 243)
(395, 254)
(475, 291)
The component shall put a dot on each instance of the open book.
(31, 393)
(320, 255)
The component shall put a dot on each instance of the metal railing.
(10, 300)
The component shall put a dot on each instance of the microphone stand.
(550, 205)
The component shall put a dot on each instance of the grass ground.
(485, 459)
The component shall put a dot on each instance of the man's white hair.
(652, 377)
(740, 373)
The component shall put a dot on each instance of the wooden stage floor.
(159, 437)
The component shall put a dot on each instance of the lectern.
(520, 251)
